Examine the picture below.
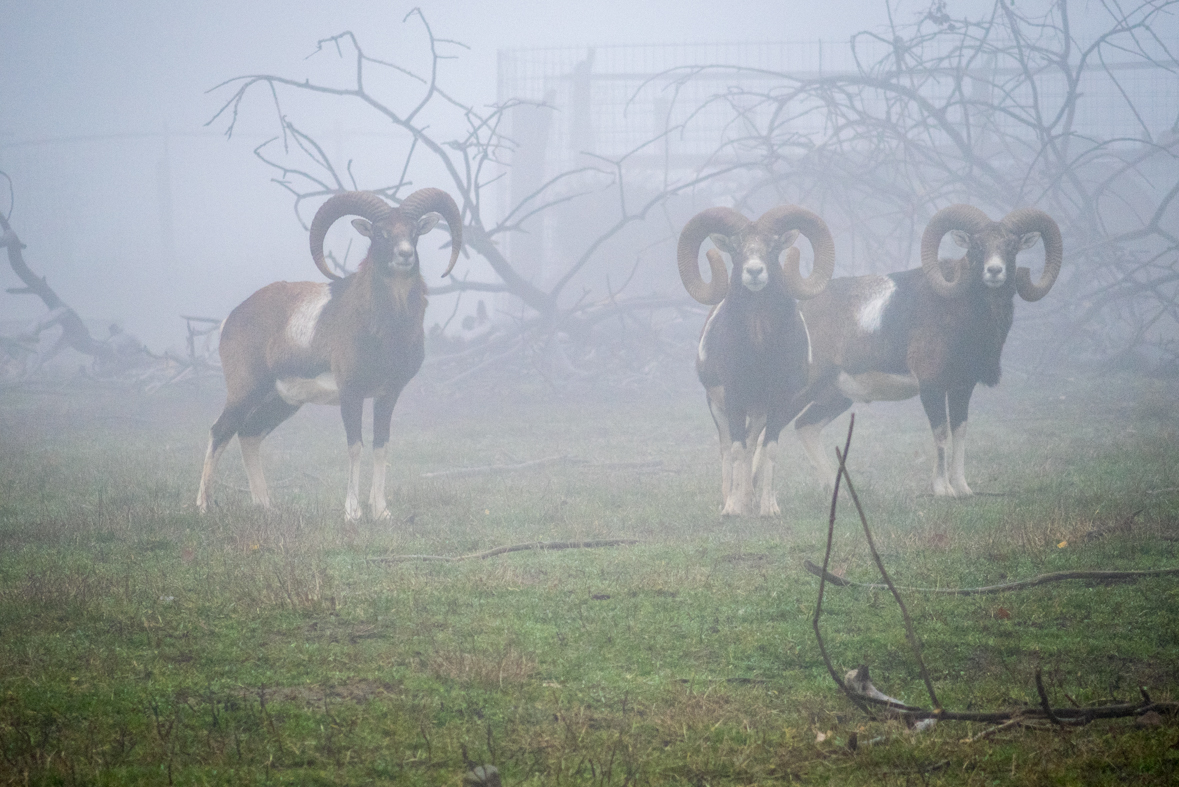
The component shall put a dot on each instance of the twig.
(909, 632)
(486, 362)
(274, 485)
(863, 694)
(1058, 576)
(851, 695)
(466, 472)
(987, 733)
(543, 546)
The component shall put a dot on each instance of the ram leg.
(232, 418)
(764, 479)
(382, 418)
(741, 449)
(205, 491)
(755, 430)
(252, 459)
(740, 497)
(260, 422)
(716, 406)
(934, 402)
(958, 400)
(351, 408)
(809, 426)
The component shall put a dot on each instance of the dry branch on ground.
(858, 687)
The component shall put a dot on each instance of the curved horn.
(954, 217)
(424, 201)
(723, 220)
(348, 203)
(793, 217)
(1025, 220)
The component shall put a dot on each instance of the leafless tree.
(116, 354)
(989, 111)
(466, 150)
(998, 112)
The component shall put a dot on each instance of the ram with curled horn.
(753, 353)
(934, 332)
(339, 342)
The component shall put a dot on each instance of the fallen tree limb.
(858, 687)
(74, 331)
(543, 546)
(864, 691)
(1043, 579)
(466, 472)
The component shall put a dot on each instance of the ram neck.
(986, 333)
(384, 307)
(761, 320)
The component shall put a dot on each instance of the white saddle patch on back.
(700, 353)
(303, 320)
(871, 313)
(810, 356)
(308, 390)
(878, 386)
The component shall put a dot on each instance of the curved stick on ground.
(863, 693)
(1043, 579)
(542, 546)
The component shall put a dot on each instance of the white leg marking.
(813, 445)
(376, 497)
(941, 482)
(958, 477)
(352, 501)
(726, 472)
(740, 498)
(755, 426)
(252, 459)
(765, 480)
(205, 491)
(716, 403)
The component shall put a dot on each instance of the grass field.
(141, 643)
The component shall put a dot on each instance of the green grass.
(141, 643)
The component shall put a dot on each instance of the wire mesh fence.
(610, 100)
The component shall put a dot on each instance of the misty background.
(137, 209)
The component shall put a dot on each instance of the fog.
(103, 129)
(137, 209)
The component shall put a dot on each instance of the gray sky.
(88, 88)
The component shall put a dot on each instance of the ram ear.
(722, 242)
(428, 222)
(961, 239)
(788, 239)
(1028, 240)
(363, 226)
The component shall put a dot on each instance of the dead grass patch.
(506, 667)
